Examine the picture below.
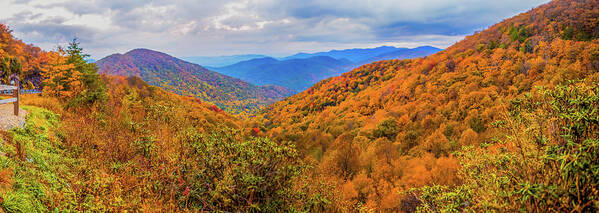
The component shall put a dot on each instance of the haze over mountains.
(220, 61)
(296, 74)
(303, 70)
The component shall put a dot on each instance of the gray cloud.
(50, 29)
(48, 32)
(190, 27)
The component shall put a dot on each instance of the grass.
(34, 168)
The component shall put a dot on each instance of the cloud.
(191, 27)
(49, 30)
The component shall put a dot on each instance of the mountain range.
(296, 74)
(302, 70)
(362, 55)
(181, 77)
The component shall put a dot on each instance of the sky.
(271, 27)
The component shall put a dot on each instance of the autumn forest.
(504, 120)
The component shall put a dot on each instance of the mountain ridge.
(303, 70)
(185, 78)
(358, 55)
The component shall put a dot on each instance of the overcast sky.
(226, 27)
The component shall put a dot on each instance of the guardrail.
(15, 93)
(21, 91)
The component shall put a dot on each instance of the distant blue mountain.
(302, 70)
(220, 61)
(297, 74)
(361, 55)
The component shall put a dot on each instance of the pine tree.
(94, 88)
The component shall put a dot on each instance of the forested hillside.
(193, 80)
(141, 149)
(389, 126)
(402, 53)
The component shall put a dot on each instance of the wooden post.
(16, 94)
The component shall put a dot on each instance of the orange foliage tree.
(60, 78)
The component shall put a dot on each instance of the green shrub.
(38, 177)
(519, 34)
(387, 128)
(230, 173)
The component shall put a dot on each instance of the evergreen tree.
(94, 88)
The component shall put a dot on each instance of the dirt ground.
(7, 118)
